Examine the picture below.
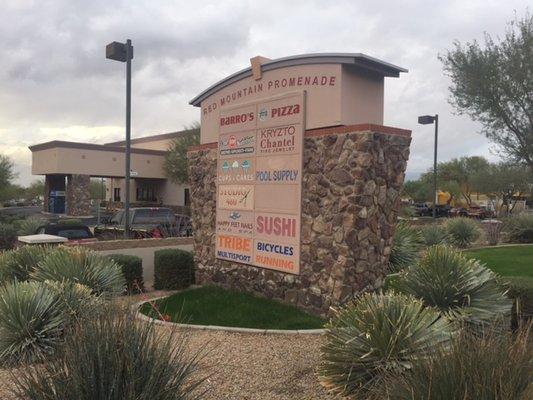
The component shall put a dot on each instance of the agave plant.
(434, 234)
(77, 301)
(112, 356)
(406, 246)
(30, 225)
(18, 264)
(462, 231)
(376, 334)
(31, 322)
(493, 366)
(460, 288)
(79, 265)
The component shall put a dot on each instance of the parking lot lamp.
(426, 120)
(123, 52)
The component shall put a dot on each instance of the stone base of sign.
(352, 178)
(78, 196)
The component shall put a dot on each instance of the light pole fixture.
(123, 52)
(426, 120)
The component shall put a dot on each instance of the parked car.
(443, 211)
(421, 209)
(75, 233)
(145, 222)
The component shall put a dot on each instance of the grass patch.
(506, 261)
(211, 305)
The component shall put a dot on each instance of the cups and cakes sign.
(259, 183)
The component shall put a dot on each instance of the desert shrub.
(520, 228)
(8, 236)
(493, 230)
(114, 357)
(173, 269)
(406, 211)
(18, 264)
(473, 367)
(374, 335)
(461, 288)
(76, 300)
(406, 246)
(434, 234)
(31, 322)
(80, 265)
(132, 269)
(30, 225)
(520, 290)
(463, 231)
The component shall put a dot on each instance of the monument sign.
(259, 183)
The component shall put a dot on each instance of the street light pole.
(435, 195)
(426, 120)
(123, 52)
(129, 54)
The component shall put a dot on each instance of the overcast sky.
(55, 82)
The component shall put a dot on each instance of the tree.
(504, 183)
(35, 189)
(419, 190)
(175, 165)
(6, 171)
(494, 85)
(454, 176)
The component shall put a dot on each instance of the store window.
(146, 194)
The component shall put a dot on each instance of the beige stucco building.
(68, 167)
(342, 89)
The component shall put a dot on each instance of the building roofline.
(356, 59)
(144, 139)
(90, 146)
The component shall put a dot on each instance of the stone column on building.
(78, 197)
(352, 178)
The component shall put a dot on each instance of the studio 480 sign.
(259, 183)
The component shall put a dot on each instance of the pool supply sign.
(261, 147)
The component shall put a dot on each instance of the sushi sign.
(259, 183)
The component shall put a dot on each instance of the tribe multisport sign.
(259, 183)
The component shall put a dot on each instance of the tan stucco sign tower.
(295, 186)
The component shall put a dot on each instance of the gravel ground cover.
(246, 366)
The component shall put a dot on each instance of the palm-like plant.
(406, 246)
(77, 301)
(374, 335)
(31, 322)
(459, 287)
(434, 234)
(18, 264)
(114, 357)
(30, 225)
(462, 231)
(78, 265)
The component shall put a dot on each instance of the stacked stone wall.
(78, 196)
(350, 199)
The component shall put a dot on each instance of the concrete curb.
(499, 246)
(140, 316)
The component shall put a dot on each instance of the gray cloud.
(54, 78)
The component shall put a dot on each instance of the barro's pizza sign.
(259, 179)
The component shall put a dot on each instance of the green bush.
(18, 264)
(30, 225)
(434, 234)
(474, 367)
(173, 269)
(76, 300)
(31, 322)
(80, 265)
(70, 221)
(461, 288)
(463, 231)
(8, 236)
(114, 357)
(520, 228)
(132, 269)
(374, 335)
(406, 246)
